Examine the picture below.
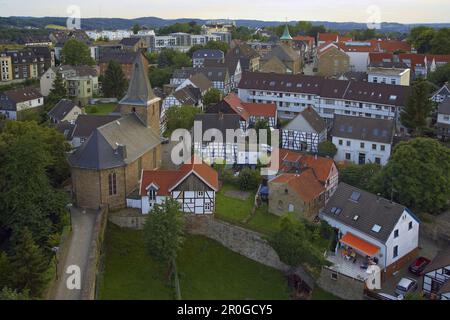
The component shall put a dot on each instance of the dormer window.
(152, 195)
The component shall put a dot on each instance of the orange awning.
(359, 244)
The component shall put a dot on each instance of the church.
(108, 166)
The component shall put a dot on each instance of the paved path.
(78, 252)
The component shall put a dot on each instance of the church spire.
(286, 34)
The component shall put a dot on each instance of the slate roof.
(214, 74)
(139, 91)
(313, 118)
(221, 122)
(282, 52)
(130, 42)
(359, 128)
(188, 95)
(376, 93)
(444, 107)
(23, 94)
(201, 82)
(370, 210)
(121, 56)
(208, 54)
(441, 260)
(101, 150)
(61, 109)
(86, 124)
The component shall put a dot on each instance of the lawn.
(129, 273)
(240, 212)
(207, 270)
(101, 109)
(320, 294)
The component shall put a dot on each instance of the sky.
(403, 11)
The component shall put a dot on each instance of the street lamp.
(55, 251)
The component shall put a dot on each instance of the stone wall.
(343, 286)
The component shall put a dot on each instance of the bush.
(327, 149)
(249, 179)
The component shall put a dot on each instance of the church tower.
(140, 98)
(286, 38)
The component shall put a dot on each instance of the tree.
(327, 149)
(421, 38)
(5, 270)
(417, 175)
(263, 124)
(57, 92)
(159, 76)
(249, 179)
(76, 53)
(114, 82)
(359, 176)
(10, 294)
(29, 264)
(298, 242)
(164, 232)
(418, 108)
(441, 75)
(217, 45)
(180, 117)
(136, 28)
(213, 96)
(440, 44)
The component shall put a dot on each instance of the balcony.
(351, 266)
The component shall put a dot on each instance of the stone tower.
(140, 98)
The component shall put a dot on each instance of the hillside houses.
(13, 103)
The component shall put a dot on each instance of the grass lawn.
(232, 209)
(207, 270)
(129, 273)
(320, 294)
(264, 222)
(102, 109)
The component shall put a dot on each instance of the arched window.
(112, 183)
(280, 205)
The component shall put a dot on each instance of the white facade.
(352, 150)
(21, 106)
(358, 60)
(389, 76)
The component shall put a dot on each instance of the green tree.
(441, 75)
(164, 232)
(5, 270)
(160, 76)
(218, 45)
(136, 28)
(114, 81)
(76, 53)
(327, 149)
(417, 175)
(57, 92)
(10, 294)
(418, 108)
(359, 176)
(213, 96)
(263, 124)
(180, 117)
(249, 179)
(421, 38)
(29, 264)
(440, 44)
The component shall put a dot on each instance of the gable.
(300, 124)
(192, 183)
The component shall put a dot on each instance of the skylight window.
(376, 228)
(336, 210)
(350, 129)
(355, 218)
(355, 196)
(272, 83)
(393, 97)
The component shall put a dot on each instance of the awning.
(359, 244)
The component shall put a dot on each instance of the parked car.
(419, 265)
(385, 296)
(405, 286)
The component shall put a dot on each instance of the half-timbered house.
(436, 278)
(193, 185)
(304, 132)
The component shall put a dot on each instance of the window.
(334, 276)
(200, 194)
(362, 145)
(341, 142)
(377, 160)
(349, 143)
(348, 156)
(376, 228)
(395, 234)
(112, 184)
(395, 254)
(383, 148)
(374, 147)
(410, 225)
(291, 207)
(208, 206)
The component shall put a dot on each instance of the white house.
(362, 140)
(442, 94)
(371, 231)
(443, 120)
(436, 278)
(12, 102)
(358, 51)
(64, 110)
(305, 132)
(193, 185)
(394, 76)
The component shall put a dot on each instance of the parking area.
(428, 249)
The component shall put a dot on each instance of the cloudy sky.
(405, 11)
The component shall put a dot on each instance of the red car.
(419, 265)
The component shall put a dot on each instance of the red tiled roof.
(321, 166)
(380, 56)
(345, 39)
(438, 58)
(391, 46)
(261, 109)
(357, 48)
(168, 179)
(236, 104)
(304, 184)
(333, 37)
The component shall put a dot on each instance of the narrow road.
(78, 252)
